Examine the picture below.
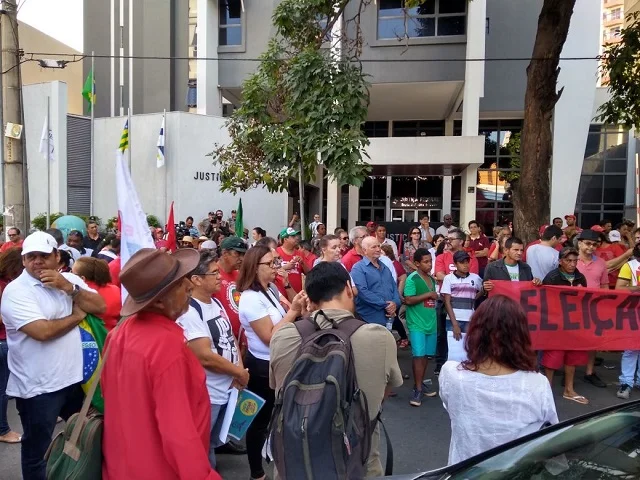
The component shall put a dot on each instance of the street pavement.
(420, 436)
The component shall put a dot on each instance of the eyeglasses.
(415, 233)
(275, 263)
(589, 244)
(451, 239)
(214, 274)
(344, 238)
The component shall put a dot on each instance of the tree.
(532, 191)
(621, 63)
(303, 106)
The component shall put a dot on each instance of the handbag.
(76, 452)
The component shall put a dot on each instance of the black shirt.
(92, 244)
(555, 277)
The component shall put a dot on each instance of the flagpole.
(92, 105)
(130, 137)
(166, 174)
(48, 160)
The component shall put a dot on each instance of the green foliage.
(301, 103)
(621, 63)
(40, 221)
(112, 223)
(513, 146)
(152, 221)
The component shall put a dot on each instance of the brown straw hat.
(149, 273)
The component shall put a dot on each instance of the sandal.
(403, 343)
(11, 437)
(577, 398)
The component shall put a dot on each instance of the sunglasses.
(415, 233)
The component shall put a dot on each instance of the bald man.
(378, 297)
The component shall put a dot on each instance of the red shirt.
(113, 298)
(6, 246)
(157, 420)
(295, 274)
(494, 245)
(351, 258)
(114, 270)
(609, 251)
(478, 244)
(230, 298)
(444, 264)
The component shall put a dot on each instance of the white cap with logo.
(39, 242)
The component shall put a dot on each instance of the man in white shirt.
(41, 310)
(426, 232)
(209, 335)
(75, 239)
(313, 226)
(543, 257)
(446, 226)
(381, 235)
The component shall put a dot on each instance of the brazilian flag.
(93, 334)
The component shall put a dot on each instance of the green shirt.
(422, 316)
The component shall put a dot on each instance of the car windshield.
(603, 447)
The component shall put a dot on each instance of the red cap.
(571, 215)
(542, 229)
(372, 225)
(597, 228)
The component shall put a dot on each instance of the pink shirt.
(595, 272)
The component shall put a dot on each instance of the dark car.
(602, 445)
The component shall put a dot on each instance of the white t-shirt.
(392, 243)
(215, 326)
(254, 306)
(463, 292)
(542, 259)
(389, 264)
(487, 411)
(443, 230)
(514, 272)
(40, 367)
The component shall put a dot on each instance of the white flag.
(135, 232)
(160, 154)
(47, 138)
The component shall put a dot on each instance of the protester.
(374, 352)
(159, 241)
(344, 241)
(231, 222)
(206, 225)
(414, 243)
(496, 395)
(510, 267)
(381, 235)
(479, 244)
(257, 233)
(353, 256)
(15, 240)
(292, 260)
(208, 333)
(10, 268)
(566, 275)
(496, 251)
(261, 316)
(187, 242)
(378, 298)
(329, 247)
(558, 222)
(630, 363)
(612, 251)
(114, 270)
(426, 234)
(208, 245)
(606, 226)
(438, 240)
(93, 238)
(232, 251)
(96, 275)
(295, 222)
(41, 310)
(446, 227)
(75, 239)
(571, 229)
(543, 257)
(420, 296)
(157, 411)
(595, 270)
(400, 278)
(109, 249)
(313, 226)
(308, 255)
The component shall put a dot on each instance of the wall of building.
(189, 138)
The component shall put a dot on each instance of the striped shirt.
(463, 291)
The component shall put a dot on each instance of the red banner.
(566, 318)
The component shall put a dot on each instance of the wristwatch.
(75, 291)
(288, 285)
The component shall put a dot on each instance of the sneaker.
(624, 391)
(416, 398)
(436, 372)
(427, 392)
(594, 380)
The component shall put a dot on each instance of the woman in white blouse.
(496, 395)
(261, 315)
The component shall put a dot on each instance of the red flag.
(171, 231)
(119, 224)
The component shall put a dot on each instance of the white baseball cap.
(39, 242)
(614, 236)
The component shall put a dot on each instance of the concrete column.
(354, 206)
(334, 206)
(468, 195)
(209, 97)
(448, 127)
(446, 195)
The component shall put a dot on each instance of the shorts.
(554, 359)
(423, 344)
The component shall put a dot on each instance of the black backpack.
(320, 426)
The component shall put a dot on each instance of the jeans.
(628, 367)
(442, 348)
(4, 378)
(217, 416)
(39, 415)
(258, 430)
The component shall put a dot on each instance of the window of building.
(418, 128)
(230, 22)
(192, 93)
(604, 176)
(616, 14)
(432, 18)
(376, 129)
(373, 199)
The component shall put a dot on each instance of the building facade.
(447, 99)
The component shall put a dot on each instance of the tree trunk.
(532, 193)
(303, 219)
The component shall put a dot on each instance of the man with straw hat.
(157, 410)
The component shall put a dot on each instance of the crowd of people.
(234, 301)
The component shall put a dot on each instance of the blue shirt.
(376, 287)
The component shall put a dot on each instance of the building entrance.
(412, 215)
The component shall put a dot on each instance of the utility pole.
(13, 168)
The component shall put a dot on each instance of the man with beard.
(292, 259)
(628, 280)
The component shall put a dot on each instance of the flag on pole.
(89, 90)
(239, 222)
(171, 231)
(46, 141)
(135, 233)
(160, 154)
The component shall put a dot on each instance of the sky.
(60, 19)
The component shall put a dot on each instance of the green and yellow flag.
(239, 226)
(89, 90)
(124, 139)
